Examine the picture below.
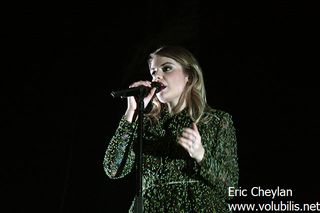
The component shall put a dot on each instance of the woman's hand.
(190, 140)
(132, 104)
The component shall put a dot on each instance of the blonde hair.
(194, 93)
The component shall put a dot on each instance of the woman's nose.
(158, 75)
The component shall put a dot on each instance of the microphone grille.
(157, 85)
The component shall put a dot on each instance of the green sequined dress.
(172, 180)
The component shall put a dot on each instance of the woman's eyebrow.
(165, 63)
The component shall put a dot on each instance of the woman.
(189, 149)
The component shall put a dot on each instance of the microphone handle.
(135, 91)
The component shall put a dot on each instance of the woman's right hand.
(132, 104)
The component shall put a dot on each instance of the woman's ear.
(186, 79)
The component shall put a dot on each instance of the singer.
(189, 148)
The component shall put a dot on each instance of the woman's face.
(170, 73)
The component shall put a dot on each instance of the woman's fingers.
(190, 140)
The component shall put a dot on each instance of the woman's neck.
(172, 106)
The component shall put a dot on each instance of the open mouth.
(160, 86)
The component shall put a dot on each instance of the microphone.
(135, 91)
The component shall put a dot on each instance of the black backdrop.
(60, 61)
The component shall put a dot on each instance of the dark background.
(60, 61)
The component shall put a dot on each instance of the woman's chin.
(161, 98)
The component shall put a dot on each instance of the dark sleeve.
(119, 156)
(220, 163)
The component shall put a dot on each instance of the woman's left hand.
(190, 140)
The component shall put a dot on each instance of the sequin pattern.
(172, 180)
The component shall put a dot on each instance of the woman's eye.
(166, 68)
